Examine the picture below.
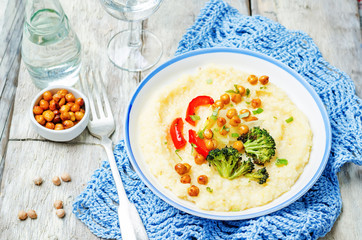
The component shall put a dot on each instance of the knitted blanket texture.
(310, 217)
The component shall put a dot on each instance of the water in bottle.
(50, 50)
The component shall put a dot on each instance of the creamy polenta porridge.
(224, 139)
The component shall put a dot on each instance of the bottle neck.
(45, 16)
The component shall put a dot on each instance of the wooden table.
(334, 26)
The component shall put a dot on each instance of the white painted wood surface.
(333, 25)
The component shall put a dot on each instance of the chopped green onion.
(216, 129)
(247, 102)
(213, 118)
(247, 92)
(215, 112)
(235, 135)
(275, 117)
(194, 117)
(289, 120)
(165, 142)
(236, 88)
(227, 129)
(258, 111)
(231, 105)
(244, 115)
(230, 91)
(193, 145)
(209, 81)
(200, 134)
(176, 151)
(209, 189)
(262, 87)
(281, 162)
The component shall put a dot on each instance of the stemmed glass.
(126, 49)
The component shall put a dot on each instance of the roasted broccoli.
(259, 145)
(228, 162)
(260, 176)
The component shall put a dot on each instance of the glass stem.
(135, 34)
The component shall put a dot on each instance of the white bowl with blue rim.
(298, 90)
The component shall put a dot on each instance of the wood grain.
(338, 41)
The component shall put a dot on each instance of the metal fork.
(101, 125)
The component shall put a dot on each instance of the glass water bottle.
(50, 49)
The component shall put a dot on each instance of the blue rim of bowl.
(279, 64)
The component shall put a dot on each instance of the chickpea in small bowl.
(59, 113)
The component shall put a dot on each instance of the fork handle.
(130, 222)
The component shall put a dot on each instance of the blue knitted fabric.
(310, 217)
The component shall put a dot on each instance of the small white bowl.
(60, 135)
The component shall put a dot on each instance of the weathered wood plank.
(10, 38)
(29, 159)
(334, 26)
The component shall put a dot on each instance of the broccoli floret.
(259, 145)
(260, 176)
(228, 162)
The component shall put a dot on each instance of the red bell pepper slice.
(196, 102)
(176, 133)
(199, 144)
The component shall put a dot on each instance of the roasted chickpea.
(180, 168)
(58, 204)
(193, 191)
(60, 213)
(57, 119)
(202, 179)
(44, 104)
(79, 115)
(241, 90)
(37, 110)
(251, 118)
(252, 79)
(75, 108)
(32, 214)
(65, 177)
(231, 113)
(56, 112)
(56, 97)
(53, 105)
(48, 115)
(47, 96)
(223, 131)
(256, 102)
(70, 97)
(238, 145)
(65, 116)
(72, 116)
(38, 181)
(82, 110)
(185, 179)
(70, 104)
(236, 98)
(264, 80)
(199, 159)
(58, 126)
(64, 108)
(235, 121)
(243, 129)
(79, 101)
(61, 102)
(40, 119)
(242, 111)
(50, 125)
(218, 104)
(209, 144)
(68, 124)
(221, 121)
(225, 98)
(22, 215)
(56, 181)
(208, 133)
(62, 92)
